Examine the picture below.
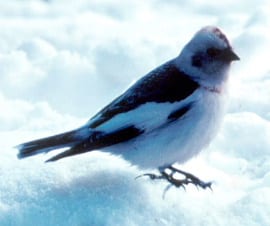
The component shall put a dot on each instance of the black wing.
(164, 84)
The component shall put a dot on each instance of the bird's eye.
(212, 52)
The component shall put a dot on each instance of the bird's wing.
(155, 100)
(165, 84)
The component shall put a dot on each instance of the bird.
(168, 116)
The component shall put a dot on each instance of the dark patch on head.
(213, 52)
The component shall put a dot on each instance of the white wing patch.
(147, 117)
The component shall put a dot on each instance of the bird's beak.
(229, 55)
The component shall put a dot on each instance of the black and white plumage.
(167, 116)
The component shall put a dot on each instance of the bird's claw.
(189, 178)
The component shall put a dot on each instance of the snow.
(62, 61)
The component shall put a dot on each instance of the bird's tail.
(47, 144)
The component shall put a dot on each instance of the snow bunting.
(167, 116)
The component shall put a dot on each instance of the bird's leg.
(170, 177)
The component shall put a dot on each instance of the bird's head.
(207, 57)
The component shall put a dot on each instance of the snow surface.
(61, 61)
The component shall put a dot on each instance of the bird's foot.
(174, 181)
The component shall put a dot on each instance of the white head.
(207, 57)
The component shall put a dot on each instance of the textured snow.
(61, 61)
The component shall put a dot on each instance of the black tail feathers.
(47, 144)
(77, 141)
